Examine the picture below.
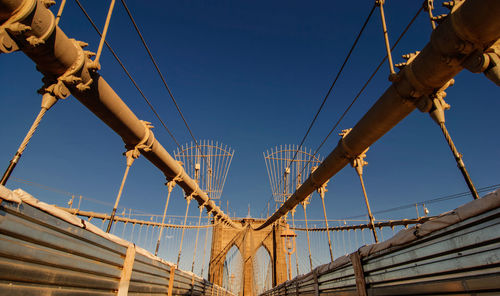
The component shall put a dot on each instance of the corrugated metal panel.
(43, 255)
(461, 259)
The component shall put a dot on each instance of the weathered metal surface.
(69, 69)
(460, 259)
(41, 254)
(473, 26)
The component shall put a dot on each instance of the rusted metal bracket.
(358, 273)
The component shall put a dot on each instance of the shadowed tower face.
(248, 242)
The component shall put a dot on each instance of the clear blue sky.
(250, 74)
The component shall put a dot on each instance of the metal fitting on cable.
(392, 76)
(429, 6)
(436, 111)
(358, 162)
(132, 153)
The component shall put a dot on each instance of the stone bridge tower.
(248, 241)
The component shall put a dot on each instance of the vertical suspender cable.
(170, 187)
(130, 159)
(296, 249)
(104, 32)
(205, 247)
(188, 200)
(196, 240)
(372, 224)
(304, 205)
(322, 191)
(60, 11)
(380, 4)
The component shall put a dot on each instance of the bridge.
(67, 249)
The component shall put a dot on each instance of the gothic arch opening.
(263, 270)
(232, 274)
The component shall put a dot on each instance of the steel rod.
(386, 36)
(296, 249)
(61, 57)
(435, 65)
(308, 241)
(60, 11)
(370, 216)
(204, 248)
(130, 160)
(322, 195)
(104, 31)
(196, 240)
(170, 187)
(183, 230)
(459, 160)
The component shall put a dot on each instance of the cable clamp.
(348, 153)
(171, 183)
(133, 151)
(190, 196)
(203, 205)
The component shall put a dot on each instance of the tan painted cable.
(370, 216)
(104, 31)
(296, 249)
(459, 160)
(60, 11)
(322, 195)
(170, 187)
(308, 241)
(188, 200)
(130, 160)
(204, 247)
(380, 4)
(196, 240)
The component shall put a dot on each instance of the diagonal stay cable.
(429, 201)
(365, 85)
(369, 80)
(127, 72)
(334, 81)
(162, 78)
(353, 46)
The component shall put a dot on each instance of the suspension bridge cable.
(162, 77)
(364, 86)
(353, 46)
(127, 73)
(430, 201)
(334, 81)
(368, 81)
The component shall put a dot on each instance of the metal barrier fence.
(457, 253)
(44, 251)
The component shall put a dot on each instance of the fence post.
(358, 273)
(128, 264)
